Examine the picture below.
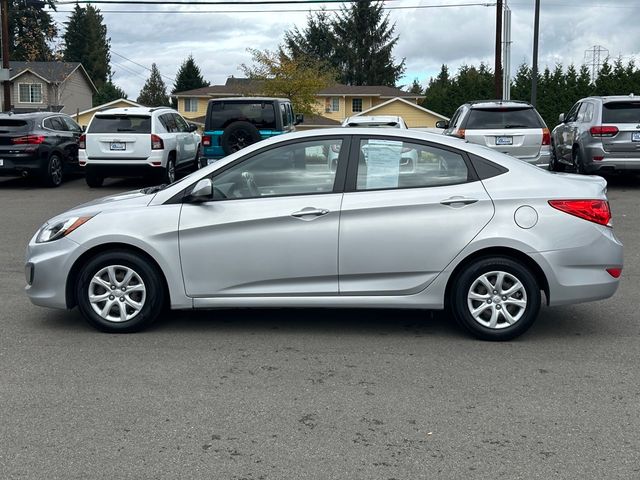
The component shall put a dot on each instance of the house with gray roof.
(49, 86)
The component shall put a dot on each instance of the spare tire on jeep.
(238, 135)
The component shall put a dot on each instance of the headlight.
(54, 231)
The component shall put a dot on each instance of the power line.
(404, 7)
(140, 65)
(208, 2)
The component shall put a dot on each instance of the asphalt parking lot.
(313, 394)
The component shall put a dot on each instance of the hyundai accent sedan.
(468, 229)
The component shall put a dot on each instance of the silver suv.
(507, 126)
(154, 142)
(599, 134)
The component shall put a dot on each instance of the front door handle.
(458, 201)
(310, 212)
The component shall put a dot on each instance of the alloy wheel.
(497, 300)
(117, 293)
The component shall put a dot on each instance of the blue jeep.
(234, 123)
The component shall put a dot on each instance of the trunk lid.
(119, 137)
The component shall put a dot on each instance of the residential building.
(49, 86)
(333, 105)
(84, 117)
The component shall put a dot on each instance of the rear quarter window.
(621, 112)
(120, 124)
(485, 118)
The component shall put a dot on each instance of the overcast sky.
(429, 37)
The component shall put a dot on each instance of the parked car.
(379, 121)
(409, 156)
(599, 134)
(42, 144)
(138, 141)
(507, 126)
(232, 124)
(268, 227)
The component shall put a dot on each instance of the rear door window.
(621, 112)
(120, 123)
(486, 118)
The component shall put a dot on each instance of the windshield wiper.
(126, 130)
(517, 126)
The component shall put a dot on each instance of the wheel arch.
(512, 253)
(70, 291)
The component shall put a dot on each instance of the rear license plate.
(118, 146)
(504, 140)
(635, 136)
(210, 161)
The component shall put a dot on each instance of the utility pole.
(498, 58)
(506, 53)
(4, 12)
(534, 70)
(594, 57)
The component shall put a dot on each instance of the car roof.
(615, 98)
(374, 118)
(249, 99)
(133, 110)
(30, 115)
(498, 104)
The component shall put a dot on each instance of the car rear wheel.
(554, 164)
(93, 179)
(496, 298)
(237, 136)
(578, 164)
(119, 292)
(51, 176)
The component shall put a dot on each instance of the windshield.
(621, 112)
(10, 125)
(120, 123)
(260, 114)
(483, 118)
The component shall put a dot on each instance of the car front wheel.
(119, 292)
(495, 298)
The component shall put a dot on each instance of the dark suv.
(42, 144)
(234, 123)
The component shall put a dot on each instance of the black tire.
(196, 162)
(237, 136)
(51, 174)
(554, 164)
(469, 282)
(93, 179)
(168, 173)
(578, 164)
(152, 302)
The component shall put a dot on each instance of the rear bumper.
(579, 274)
(116, 167)
(610, 161)
(16, 163)
(542, 160)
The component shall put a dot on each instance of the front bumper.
(47, 267)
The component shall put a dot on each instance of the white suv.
(138, 141)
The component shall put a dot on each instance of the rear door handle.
(458, 201)
(310, 212)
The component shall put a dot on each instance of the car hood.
(134, 198)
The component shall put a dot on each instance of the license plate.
(504, 140)
(118, 146)
(635, 136)
(211, 160)
(1, 162)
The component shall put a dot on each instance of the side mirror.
(299, 118)
(561, 118)
(202, 192)
(442, 124)
(193, 127)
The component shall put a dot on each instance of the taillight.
(28, 140)
(546, 137)
(206, 140)
(459, 133)
(156, 143)
(603, 131)
(614, 272)
(596, 211)
(82, 142)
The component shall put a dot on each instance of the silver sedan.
(468, 229)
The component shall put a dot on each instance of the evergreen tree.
(437, 93)
(107, 93)
(415, 88)
(86, 41)
(521, 85)
(154, 91)
(31, 29)
(364, 41)
(189, 77)
(315, 41)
